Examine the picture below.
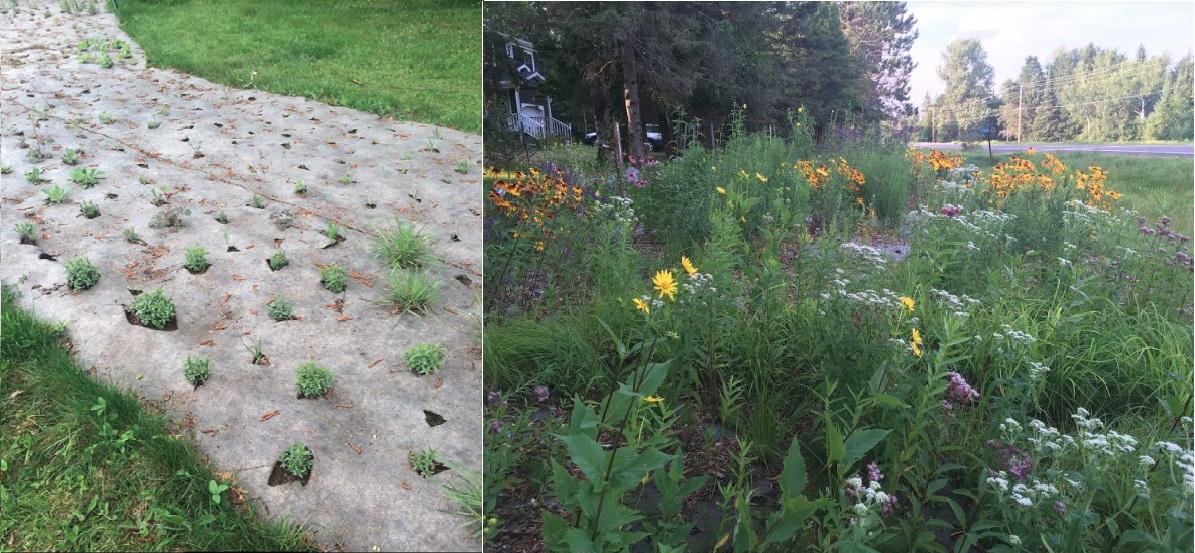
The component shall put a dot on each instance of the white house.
(528, 109)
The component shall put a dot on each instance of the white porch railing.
(539, 127)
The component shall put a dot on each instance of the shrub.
(155, 308)
(425, 358)
(81, 274)
(197, 369)
(296, 460)
(334, 278)
(313, 380)
(402, 248)
(412, 292)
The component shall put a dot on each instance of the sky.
(1012, 30)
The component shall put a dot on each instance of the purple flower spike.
(495, 426)
(873, 473)
(958, 391)
(493, 397)
(541, 393)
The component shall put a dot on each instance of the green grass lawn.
(1153, 186)
(414, 60)
(84, 467)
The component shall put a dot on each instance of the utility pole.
(933, 129)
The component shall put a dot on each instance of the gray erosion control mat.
(363, 493)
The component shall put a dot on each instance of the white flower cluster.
(869, 254)
(1014, 335)
(618, 208)
(869, 498)
(954, 188)
(1182, 459)
(965, 173)
(651, 302)
(1036, 370)
(697, 283)
(959, 305)
(886, 298)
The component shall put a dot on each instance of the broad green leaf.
(554, 532)
(793, 477)
(629, 468)
(587, 454)
(835, 448)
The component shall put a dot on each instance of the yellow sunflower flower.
(761, 177)
(641, 305)
(720, 190)
(665, 284)
(653, 399)
(688, 266)
(909, 304)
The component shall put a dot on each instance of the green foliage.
(5, 169)
(462, 166)
(222, 218)
(277, 260)
(86, 177)
(34, 176)
(70, 157)
(56, 194)
(197, 369)
(281, 310)
(467, 492)
(172, 217)
(106, 118)
(130, 236)
(26, 231)
(300, 187)
(297, 460)
(152, 123)
(423, 462)
(89, 209)
(425, 358)
(404, 247)
(155, 308)
(332, 231)
(257, 201)
(195, 259)
(313, 380)
(334, 278)
(411, 291)
(81, 274)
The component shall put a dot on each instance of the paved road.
(1151, 150)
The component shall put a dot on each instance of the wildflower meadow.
(794, 343)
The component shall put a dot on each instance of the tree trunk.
(630, 94)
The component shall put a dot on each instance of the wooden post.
(617, 148)
(1020, 109)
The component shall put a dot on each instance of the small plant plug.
(57, 194)
(195, 259)
(423, 461)
(89, 209)
(86, 177)
(334, 278)
(222, 218)
(313, 380)
(300, 187)
(70, 157)
(257, 201)
(130, 236)
(277, 260)
(462, 166)
(81, 274)
(281, 310)
(26, 231)
(34, 176)
(155, 308)
(411, 292)
(106, 118)
(425, 359)
(197, 369)
(296, 460)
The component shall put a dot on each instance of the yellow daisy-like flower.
(909, 304)
(653, 399)
(917, 337)
(743, 174)
(714, 168)
(761, 177)
(641, 305)
(916, 343)
(720, 190)
(916, 350)
(688, 266)
(665, 284)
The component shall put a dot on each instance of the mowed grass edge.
(85, 467)
(417, 60)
